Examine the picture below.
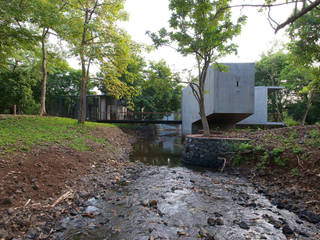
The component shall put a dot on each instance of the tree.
(15, 34)
(160, 91)
(304, 46)
(275, 69)
(48, 16)
(268, 73)
(94, 37)
(204, 29)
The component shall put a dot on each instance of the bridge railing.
(166, 116)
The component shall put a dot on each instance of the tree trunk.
(83, 91)
(303, 121)
(278, 108)
(204, 120)
(14, 109)
(44, 72)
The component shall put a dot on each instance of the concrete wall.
(229, 97)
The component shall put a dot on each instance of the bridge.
(140, 117)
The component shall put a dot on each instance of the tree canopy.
(204, 29)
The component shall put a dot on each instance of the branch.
(300, 14)
(263, 5)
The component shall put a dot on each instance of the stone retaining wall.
(205, 152)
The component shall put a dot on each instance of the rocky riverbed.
(182, 203)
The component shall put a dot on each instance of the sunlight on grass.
(21, 133)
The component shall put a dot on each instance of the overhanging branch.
(298, 15)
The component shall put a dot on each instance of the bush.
(277, 151)
(295, 172)
(289, 121)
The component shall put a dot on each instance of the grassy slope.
(22, 133)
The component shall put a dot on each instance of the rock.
(215, 221)
(10, 211)
(144, 203)
(92, 210)
(217, 214)
(309, 216)
(243, 225)
(35, 186)
(153, 203)
(287, 230)
(32, 233)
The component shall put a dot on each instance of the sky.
(256, 37)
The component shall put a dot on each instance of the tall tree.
(48, 16)
(204, 29)
(95, 38)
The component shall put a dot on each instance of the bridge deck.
(142, 121)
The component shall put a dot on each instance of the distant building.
(230, 98)
(99, 107)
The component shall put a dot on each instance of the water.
(170, 201)
(164, 150)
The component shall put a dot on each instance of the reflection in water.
(164, 150)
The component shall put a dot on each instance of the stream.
(171, 201)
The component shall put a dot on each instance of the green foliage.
(264, 160)
(22, 133)
(315, 138)
(237, 160)
(259, 148)
(244, 147)
(289, 121)
(15, 33)
(296, 149)
(314, 133)
(16, 88)
(160, 92)
(293, 134)
(295, 172)
(277, 151)
(278, 161)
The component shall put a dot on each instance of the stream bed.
(170, 201)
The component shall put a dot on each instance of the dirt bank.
(284, 164)
(41, 185)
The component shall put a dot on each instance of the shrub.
(279, 162)
(277, 151)
(243, 147)
(264, 160)
(297, 149)
(295, 172)
(289, 121)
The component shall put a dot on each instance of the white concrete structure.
(230, 98)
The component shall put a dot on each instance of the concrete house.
(230, 98)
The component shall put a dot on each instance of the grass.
(21, 133)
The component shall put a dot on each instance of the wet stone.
(215, 221)
(243, 225)
(287, 230)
